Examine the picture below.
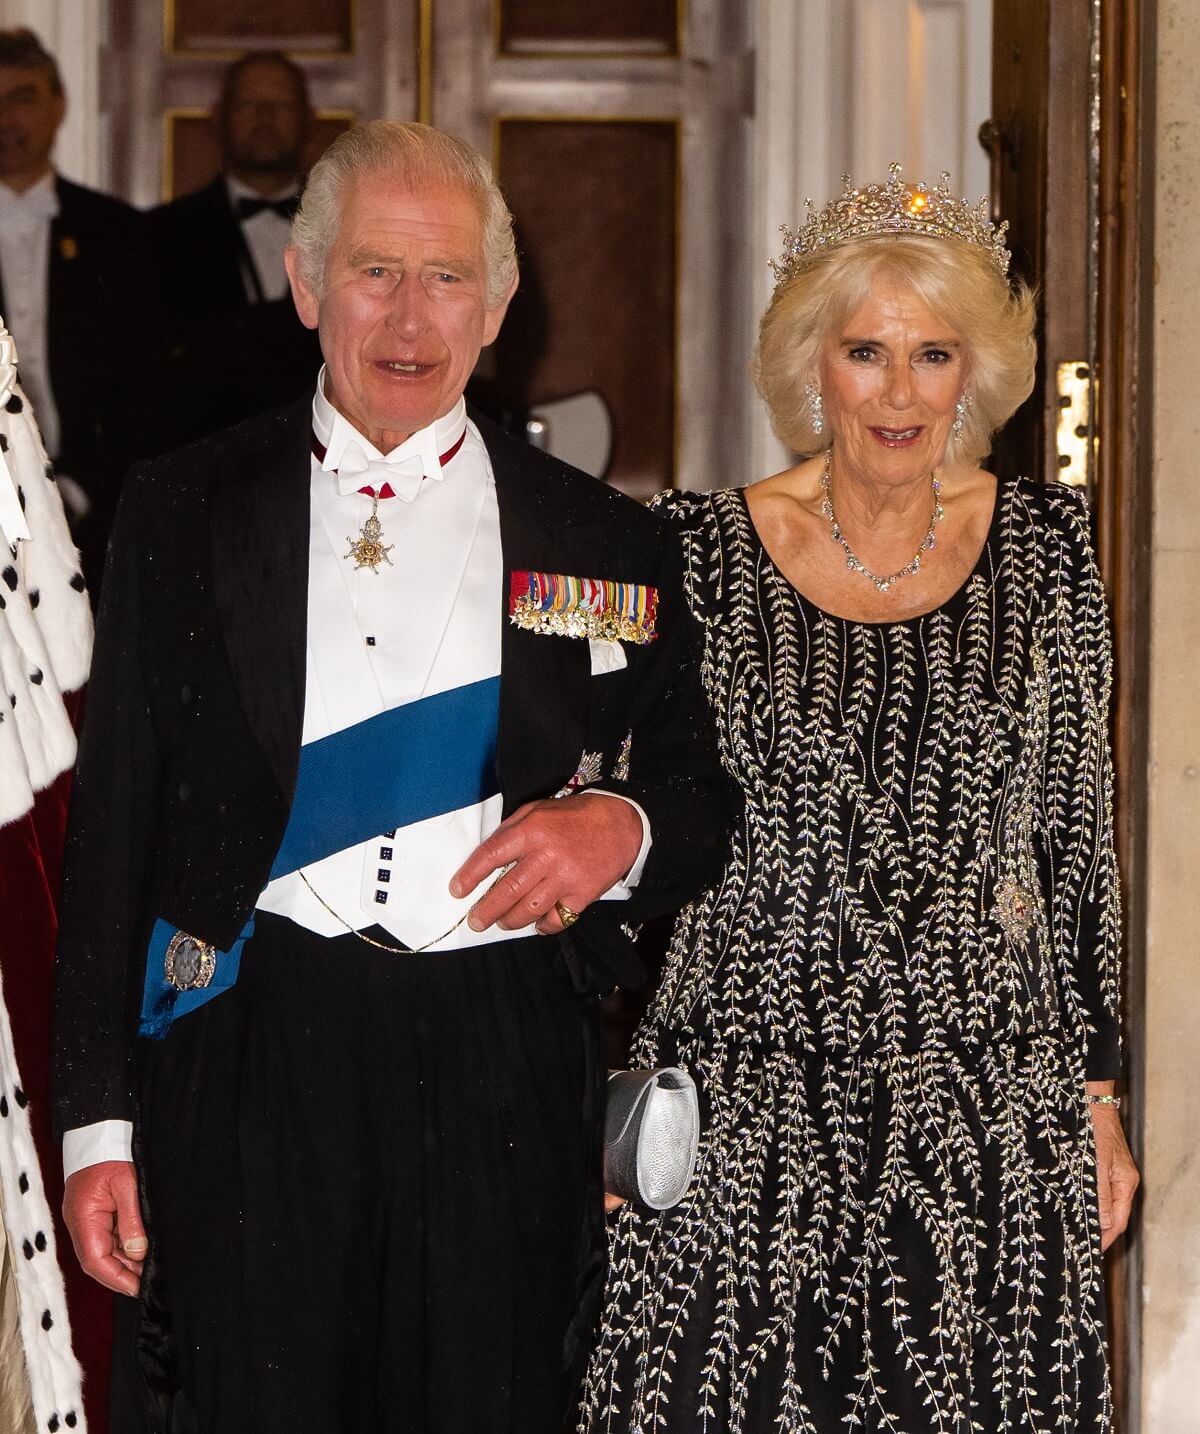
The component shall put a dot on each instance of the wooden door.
(1041, 183)
(616, 131)
(1069, 140)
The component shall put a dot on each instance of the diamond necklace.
(855, 564)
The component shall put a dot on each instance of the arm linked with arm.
(675, 774)
(573, 850)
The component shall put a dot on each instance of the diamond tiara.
(891, 208)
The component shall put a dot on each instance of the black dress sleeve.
(1079, 866)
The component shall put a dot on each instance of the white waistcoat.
(429, 621)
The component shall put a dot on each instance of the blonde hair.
(959, 283)
(420, 156)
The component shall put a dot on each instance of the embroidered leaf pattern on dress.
(889, 1001)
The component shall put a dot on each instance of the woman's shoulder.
(1054, 501)
(705, 520)
(712, 529)
(1056, 512)
(692, 510)
(1047, 532)
(1050, 502)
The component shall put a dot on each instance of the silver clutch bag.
(651, 1136)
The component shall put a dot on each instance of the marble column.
(1170, 1218)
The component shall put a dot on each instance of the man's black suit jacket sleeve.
(106, 860)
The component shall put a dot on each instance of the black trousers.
(372, 1183)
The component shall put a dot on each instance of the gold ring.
(565, 914)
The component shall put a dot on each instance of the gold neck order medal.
(369, 550)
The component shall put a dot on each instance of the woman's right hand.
(1117, 1176)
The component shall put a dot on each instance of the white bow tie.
(403, 476)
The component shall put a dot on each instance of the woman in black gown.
(900, 1001)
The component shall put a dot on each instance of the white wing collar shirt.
(425, 623)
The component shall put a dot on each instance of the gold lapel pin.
(68, 247)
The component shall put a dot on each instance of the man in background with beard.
(236, 345)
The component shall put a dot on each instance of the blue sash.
(418, 761)
(421, 760)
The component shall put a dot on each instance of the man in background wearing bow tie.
(236, 346)
(77, 293)
(394, 726)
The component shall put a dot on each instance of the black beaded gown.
(890, 1003)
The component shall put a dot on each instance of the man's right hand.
(100, 1206)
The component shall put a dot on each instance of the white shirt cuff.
(623, 889)
(90, 1144)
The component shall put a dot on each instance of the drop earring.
(961, 409)
(815, 408)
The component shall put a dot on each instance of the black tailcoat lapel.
(543, 681)
(259, 517)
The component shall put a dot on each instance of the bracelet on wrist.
(1113, 1100)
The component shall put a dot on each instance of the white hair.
(420, 156)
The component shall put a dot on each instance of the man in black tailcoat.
(394, 726)
(77, 292)
(236, 345)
